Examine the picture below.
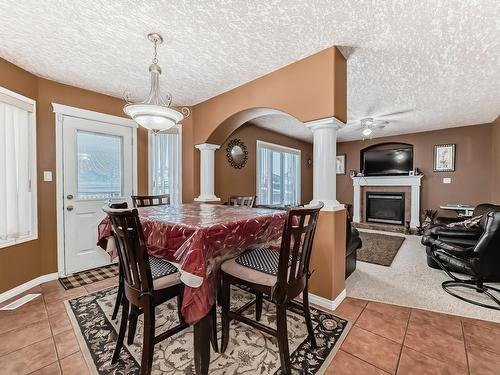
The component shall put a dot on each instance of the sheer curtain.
(166, 164)
(16, 201)
(278, 174)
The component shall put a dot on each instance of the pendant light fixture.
(155, 113)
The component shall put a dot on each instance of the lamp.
(155, 113)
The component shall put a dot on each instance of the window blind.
(278, 174)
(165, 168)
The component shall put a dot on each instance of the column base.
(211, 198)
(329, 205)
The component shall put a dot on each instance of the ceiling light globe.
(153, 117)
(367, 132)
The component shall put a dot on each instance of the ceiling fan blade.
(397, 113)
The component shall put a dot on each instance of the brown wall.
(229, 180)
(26, 261)
(495, 139)
(471, 181)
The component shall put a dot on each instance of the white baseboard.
(27, 285)
(326, 303)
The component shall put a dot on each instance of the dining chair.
(150, 200)
(120, 292)
(241, 200)
(281, 276)
(148, 282)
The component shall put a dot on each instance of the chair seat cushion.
(263, 260)
(248, 274)
(164, 273)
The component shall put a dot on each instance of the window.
(165, 164)
(99, 166)
(278, 174)
(18, 203)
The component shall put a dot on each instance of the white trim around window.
(29, 186)
(289, 157)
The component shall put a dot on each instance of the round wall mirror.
(236, 153)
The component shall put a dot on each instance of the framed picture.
(444, 158)
(341, 164)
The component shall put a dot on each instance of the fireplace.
(385, 207)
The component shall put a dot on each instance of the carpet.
(379, 248)
(249, 351)
(89, 276)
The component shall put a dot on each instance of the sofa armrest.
(455, 250)
(455, 232)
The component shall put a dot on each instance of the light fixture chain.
(155, 58)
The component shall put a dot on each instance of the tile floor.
(385, 339)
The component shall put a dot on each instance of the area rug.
(379, 248)
(90, 276)
(249, 351)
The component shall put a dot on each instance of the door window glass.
(99, 166)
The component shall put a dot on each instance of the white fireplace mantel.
(413, 181)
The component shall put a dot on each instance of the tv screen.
(387, 162)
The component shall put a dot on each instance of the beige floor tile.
(74, 365)
(20, 337)
(66, 343)
(29, 359)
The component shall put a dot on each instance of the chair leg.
(226, 305)
(213, 326)
(121, 333)
(258, 305)
(119, 295)
(179, 306)
(307, 316)
(132, 326)
(286, 367)
(148, 340)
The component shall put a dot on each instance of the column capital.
(325, 123)
(207, 146)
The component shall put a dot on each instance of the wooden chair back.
(132, 252)
(295, 253)
(241, 200)
(150, 200)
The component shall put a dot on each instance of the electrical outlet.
(47, 176)
(446, 180)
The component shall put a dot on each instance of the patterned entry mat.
(249, 351)
(90, 276)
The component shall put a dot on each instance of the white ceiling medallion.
(155, 113)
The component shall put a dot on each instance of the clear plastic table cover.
(198, 238)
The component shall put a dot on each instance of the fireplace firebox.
(387, 208)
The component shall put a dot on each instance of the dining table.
(197, 238)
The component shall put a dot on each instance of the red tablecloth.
(198, 238)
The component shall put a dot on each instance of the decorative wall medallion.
(236, 153)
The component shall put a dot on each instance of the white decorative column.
(207, 172)
(324, 162)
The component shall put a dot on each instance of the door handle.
(70, 208)
(69, 196)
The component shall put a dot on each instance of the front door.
(97, 166)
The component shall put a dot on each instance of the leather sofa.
(456, 235)
(481, 261)
(353, 243)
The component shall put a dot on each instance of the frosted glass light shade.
(367, 132)
(153, 117)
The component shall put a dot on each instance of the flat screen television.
(387, 162)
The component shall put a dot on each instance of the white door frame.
(64, 110)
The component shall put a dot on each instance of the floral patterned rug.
(249, 351)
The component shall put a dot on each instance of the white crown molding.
(27, 286)
(91, 115)
(328, 122)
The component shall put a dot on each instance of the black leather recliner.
(353, 243)
(458, 234)
(481, 261)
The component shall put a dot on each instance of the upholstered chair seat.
(164, 273)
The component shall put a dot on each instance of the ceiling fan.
(369, 124)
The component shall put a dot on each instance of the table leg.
(202, 345)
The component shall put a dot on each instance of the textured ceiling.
(440, 58)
